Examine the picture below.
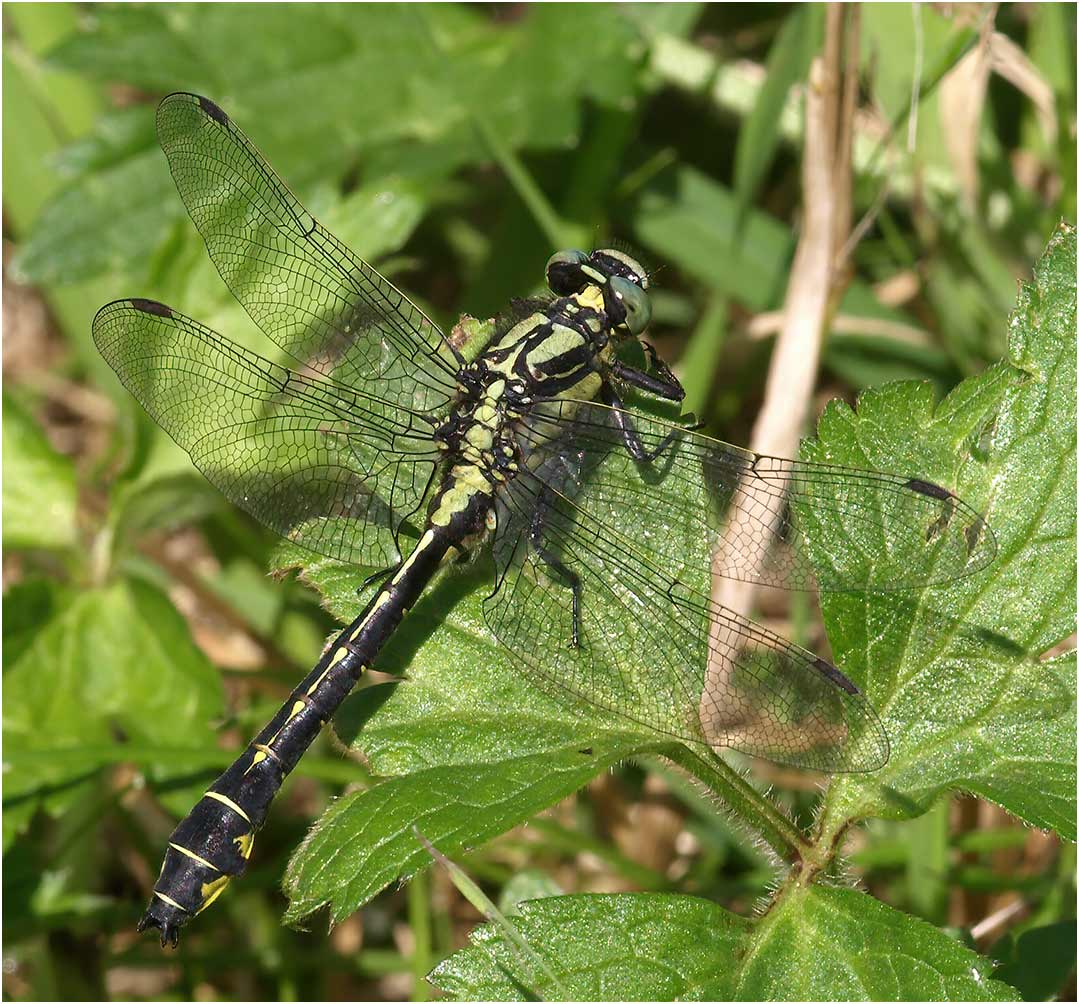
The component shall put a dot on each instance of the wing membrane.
(310, 294)
(648, 646)
(308, 457)
(640, 538)
(900, 532)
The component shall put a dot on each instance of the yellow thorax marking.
(590, 296)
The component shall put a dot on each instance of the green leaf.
(117, 217)
(687, 218)
(365, 841)
(788, 62)
(1039, 961)
(839, 944)
(828, 944)
(477, 747)
(40, 494)
(958, 672)
(81, 669)
(603, 947)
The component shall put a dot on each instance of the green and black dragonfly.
(386, 444)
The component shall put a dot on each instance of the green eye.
(564, 275)
(627, 304)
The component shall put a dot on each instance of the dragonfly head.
(620, 279)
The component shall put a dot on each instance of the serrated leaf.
(828, 944)
(840, 944)
(464, 698)
(365, 841)
(957, 672)
(83, 669)
(476, 746)
(604, 947)
(40, 494)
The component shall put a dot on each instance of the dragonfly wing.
(655, 652)
(309, 293)
(900, 531)
(306, 456)
(641, 539)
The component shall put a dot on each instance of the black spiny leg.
(572, 579)
(665, 384)
(630, 436)
(382, 573)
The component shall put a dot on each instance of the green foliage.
(39, 489)
(837, 945)
(452, 145)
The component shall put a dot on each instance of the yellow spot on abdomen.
(245, 842)
(211, 890)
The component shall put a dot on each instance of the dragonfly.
(383, 442)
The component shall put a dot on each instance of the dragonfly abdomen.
(213, 842)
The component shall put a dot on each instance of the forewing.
(310, 294)
(312, 459)
(752, 509)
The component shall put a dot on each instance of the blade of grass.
(476, 896)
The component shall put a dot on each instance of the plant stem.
(774, 828)
(558, 232)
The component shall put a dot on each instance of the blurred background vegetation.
(455, 147)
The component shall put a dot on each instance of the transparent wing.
(657, 653)
(312, 459)
(639, 539)
(900, 531)
(310, 294)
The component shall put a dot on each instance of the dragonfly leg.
(630, 436)
(553, 562)
(663, 383)
(382, 573)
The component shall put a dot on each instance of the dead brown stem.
(811, 294)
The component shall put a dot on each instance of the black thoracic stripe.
(213, 841)
(571, 361)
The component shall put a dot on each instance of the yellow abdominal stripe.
(225, 800)
(194, 857)
(168, 899)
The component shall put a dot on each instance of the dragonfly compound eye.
(627, 305)
(564, 274)
(613, 262)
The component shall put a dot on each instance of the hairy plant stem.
(773, 827)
